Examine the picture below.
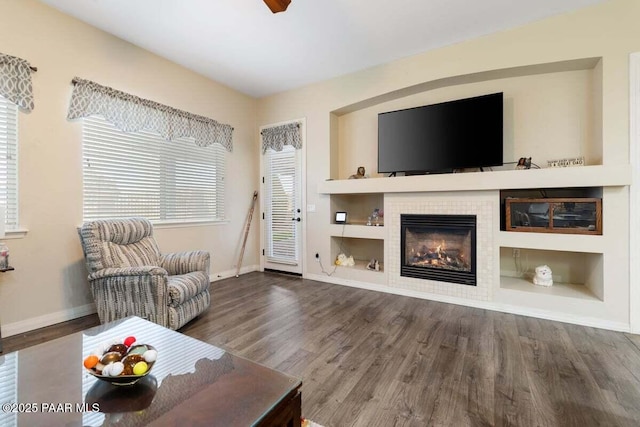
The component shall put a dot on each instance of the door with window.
(282, 208)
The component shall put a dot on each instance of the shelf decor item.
(373, 265)
(360, 173)
(4, 257)
(543, 276)
(345, 261)
(565, 163)
(554, 215)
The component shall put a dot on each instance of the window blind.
(281, 245)
(9, 162)
(141, 174)
(9, 387)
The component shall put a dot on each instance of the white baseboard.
(33, 323)
(27, 325)
(487, 305)
(232, 273)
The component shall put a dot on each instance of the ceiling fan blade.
(277, 5)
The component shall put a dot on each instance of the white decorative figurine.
(543, 276)
(345, 261)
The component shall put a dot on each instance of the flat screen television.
(439, 138)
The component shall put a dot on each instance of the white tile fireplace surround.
(481, 204)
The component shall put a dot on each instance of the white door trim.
(634, 192)
(303, 186)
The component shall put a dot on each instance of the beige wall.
(608, 31)
(546, 116)
(49, 281)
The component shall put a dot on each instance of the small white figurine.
(345, 261)
(543, 276)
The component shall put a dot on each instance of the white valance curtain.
(130, 113)
(15, 81)
(277, 137)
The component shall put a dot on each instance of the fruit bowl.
(121, 363)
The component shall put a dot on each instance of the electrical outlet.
(317, 257)
(516, 253)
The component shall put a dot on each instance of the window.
(141, 174)
(9, 162)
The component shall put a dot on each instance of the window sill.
(163, 225)
(19, 233)
(166, 224)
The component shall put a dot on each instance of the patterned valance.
(278, 136)
(131, 114)
(15, 81)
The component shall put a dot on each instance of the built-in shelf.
(358, 231)
(551, 241)
(516, 284)
(582, 176)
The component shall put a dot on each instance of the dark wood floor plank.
(374, 359)
(613, 363)
(402, 330)
(396, 408)
(514, 405)
(334, 388)
(474, 406)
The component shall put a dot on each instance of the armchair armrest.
(185, 262)
(148, 270)
(131, 291)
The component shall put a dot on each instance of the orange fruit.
(91, 361)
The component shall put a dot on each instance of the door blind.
(9, 162)
(141, 174)
(281, 186)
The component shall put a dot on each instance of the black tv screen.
(466, 133)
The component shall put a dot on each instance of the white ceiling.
(240, 43)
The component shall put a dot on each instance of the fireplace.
(439, 247)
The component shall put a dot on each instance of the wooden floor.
(372, 359)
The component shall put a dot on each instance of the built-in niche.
(362, 251)
(551, 111)
(575, 274)
(359, 207)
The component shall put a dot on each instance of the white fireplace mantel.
(579, 176)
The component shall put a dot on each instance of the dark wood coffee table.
(191, 384)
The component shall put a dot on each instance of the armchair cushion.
(184, 287)
(138, 254)
(126, 242)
